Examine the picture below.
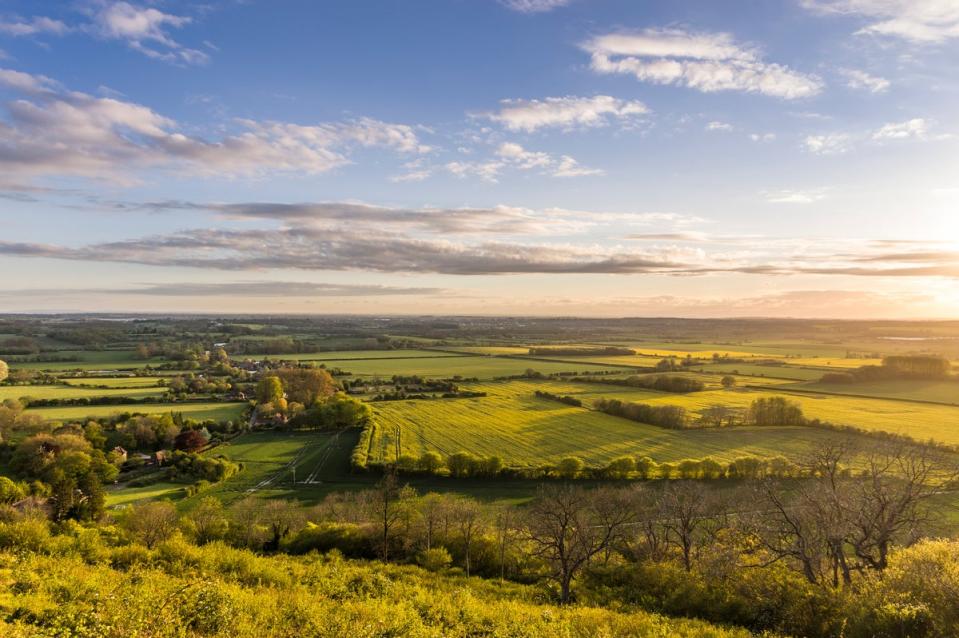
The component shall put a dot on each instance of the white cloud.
(793, 197)
(513, 156)
(704, 61)
(856, 79)
(487, 171)
(33, 26)
(569, 167)
(762, 137)
(146, 30)
(67, 133)
(566, 112)
(26, 82)
(915, 20)
(828, 144)
(915, 128)
(719, 126)
(519, 156)
(534, 6)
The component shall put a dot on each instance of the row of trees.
(762, 411)
(895, 367)
(466, 465)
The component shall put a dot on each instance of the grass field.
(757, 370)
(346, 355)
(89, 360)
(443, 367)
(918, 420)
(527, 431)
(130, 495)
(215, 411)
(115, 382)
(320, 461)
(917, 390)
(74, 392)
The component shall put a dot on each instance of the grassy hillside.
(179, 590)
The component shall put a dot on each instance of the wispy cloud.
(232, 289)
(534, 6)
(354, 247)
(719, 126)
(567, 112)
(55, 132)
(147, 30)
(793, 197)
(828, 144)
(860, 80)
(916, 128)
(915, 20)
(33, 26)
(704, 61)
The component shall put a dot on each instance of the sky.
(781, 158)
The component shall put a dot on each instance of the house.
(160, 457)
(120, 454)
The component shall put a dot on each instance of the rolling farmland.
(526, 431)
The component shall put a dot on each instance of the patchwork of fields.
(514, 424)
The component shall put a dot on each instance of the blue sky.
(585, 157)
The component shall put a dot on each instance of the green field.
(527, 431)
(115, 382)
(131, 495)
(320, 461)
(758, 370)
(346, 355)
(89, 360)
(74, 392)
(216, 411)
(904, 389)
(918, 420)
(444, 367)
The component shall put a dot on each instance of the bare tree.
(468, 518)
(208, 520)
(568, 525)
(685, 509)
(388, 507)
(505, 525)
(152, 522)
(281, 517)
(888, 503)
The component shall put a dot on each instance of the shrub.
(435, 559)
